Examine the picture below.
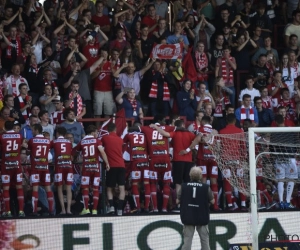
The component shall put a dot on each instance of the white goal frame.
(252, 173)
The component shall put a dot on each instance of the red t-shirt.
(235, 147)
(291, 109)
(147, 20)
(287, 123)
(101, 20)
(91, 52)
(103, 82)
(90, 153)
(158, 145)
(182, 140)
(62, 151)
(11, 143)
(137, 147)
(277, 96)
(113, 145)
(39, 147)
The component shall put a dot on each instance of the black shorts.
(181, 171)
(115, 176)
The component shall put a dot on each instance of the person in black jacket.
(195, 199)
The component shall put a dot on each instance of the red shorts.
(40, 178)
(90, 178)
(209, 168)
(161, 170)
(140, 171)
(10, 176)
(63, 175)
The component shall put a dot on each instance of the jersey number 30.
(89, 150)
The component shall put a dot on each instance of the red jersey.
(149, 21)
(287, 123)
(277, 96)
(204, 152)
(90, 153)
(90, 51)
(137, 148)
(291, 108)
(40, 148)
(113, 145)
(235, 148)
(62, 151)
(158, 145)
(103, 82)
(182, 140)
(57, 117)
(11, 143)
(101, 20)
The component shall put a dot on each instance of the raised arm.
(147, 67)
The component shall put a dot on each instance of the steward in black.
(194, 203)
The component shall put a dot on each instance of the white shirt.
(8, 84)
(253, 93)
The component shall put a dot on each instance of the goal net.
(277, 155)
(263, 155)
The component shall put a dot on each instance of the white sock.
(280, 190)
(289, 191)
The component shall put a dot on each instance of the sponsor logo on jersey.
(83, 142)
(64, 163)
(11, 136)
(160, 152)
(194, 184)
(91, 166)
(44, 141)
(161, 165)
(143, 156)
(142, 164)
(11, 154)
(62, 140)
(41, 167)
(158, 142)
(63, 157)
(40, 159)
(90, 160)
(138, 149)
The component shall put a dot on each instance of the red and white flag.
(120, 120)
(167, 51)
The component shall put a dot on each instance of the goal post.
(252, 132)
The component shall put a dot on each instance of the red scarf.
(201, 63)
(153, 90)
(17, 45)
(57, 117)
(35, 69)
(244, 114)
(219, 106)
(224, 71)
(267, 104)
(196, 127)
(79, 103)
(52, 83)
(134, 106)
(14, 84)
(61, 41)
(26, 112)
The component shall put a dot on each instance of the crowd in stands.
(63, 61)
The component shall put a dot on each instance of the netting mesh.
(277, 156)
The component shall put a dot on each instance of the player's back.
(158, 145)
(137, 146)
(39, 147)
(11, 144)
(89, 148)
(62, 151)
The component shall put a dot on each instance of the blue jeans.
(232, 96)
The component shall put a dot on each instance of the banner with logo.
(156, 232)
(167, 51)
